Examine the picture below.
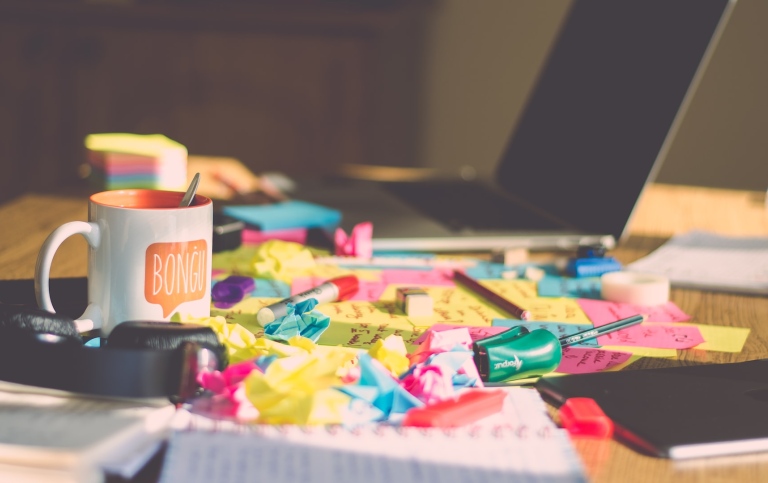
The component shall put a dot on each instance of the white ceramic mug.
(147, 258)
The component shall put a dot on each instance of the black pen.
(567, 340)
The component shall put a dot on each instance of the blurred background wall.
(482, 59)
(307, 86)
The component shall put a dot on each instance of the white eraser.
(414, 302)
(534, 273)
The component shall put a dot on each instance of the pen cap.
(528, 355)
(347, 285)
(502, 337)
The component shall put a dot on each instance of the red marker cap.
(347, 285)
(470, 406)
(581, 416)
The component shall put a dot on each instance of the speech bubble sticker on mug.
(175, 272)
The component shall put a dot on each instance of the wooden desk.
(663, 211)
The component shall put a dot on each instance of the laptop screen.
(596, 123)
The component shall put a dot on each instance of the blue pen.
(567, 340)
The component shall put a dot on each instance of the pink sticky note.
(369, 290)
(437, 276)
(659, 336)
(475, 333)
(601, 312)
(581, 360)
(251, 236)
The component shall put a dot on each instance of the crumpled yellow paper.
(298, 389)
(241, 344)
(282, 260)
(391, 352)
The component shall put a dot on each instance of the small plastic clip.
(581, 416)
(592, 267)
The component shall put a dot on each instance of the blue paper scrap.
(494, 271)
(271, 288)
(583, 288)
(285, 215)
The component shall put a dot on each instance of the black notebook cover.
(69, 296)
(680, 412)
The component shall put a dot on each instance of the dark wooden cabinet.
(297, 87)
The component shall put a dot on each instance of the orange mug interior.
(145, 199)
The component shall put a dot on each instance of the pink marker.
(339, 288)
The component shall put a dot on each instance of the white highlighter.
(333, 290)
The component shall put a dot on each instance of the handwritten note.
(362, 335)
(601, 312)
(644, 351)
(557, 328)
(376, 313)
(663, 336)
(579, 360)
(721, 338)
(475, 333)
(583, 287)
(523, 293)
(452, 306)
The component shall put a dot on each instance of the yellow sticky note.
(455, 306)
(523, 293)
(244, 313)
(721, 338)
(235, 261)
(374, 313)
(516, 291)
(362, 335)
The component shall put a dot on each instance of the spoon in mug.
(190, 194)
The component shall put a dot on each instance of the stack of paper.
(121, 161)
(51, 438)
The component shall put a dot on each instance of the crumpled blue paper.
(300, 320)
(380, 389)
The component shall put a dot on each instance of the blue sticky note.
(285, 215)
(271, 288)
(583, 288)
(560, 329)
(494, 271)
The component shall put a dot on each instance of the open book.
(57, 438)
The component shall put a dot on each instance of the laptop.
(678, 412)
(593, 134)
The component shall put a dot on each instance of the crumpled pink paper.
(443, 341)
(358, 243)
(429, 383)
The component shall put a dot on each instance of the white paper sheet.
(708, 261)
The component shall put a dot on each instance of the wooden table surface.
(663, 211)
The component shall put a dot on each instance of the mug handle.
(91, 318)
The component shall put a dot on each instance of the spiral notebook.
(524, 445)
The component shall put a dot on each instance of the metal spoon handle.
(190, 194)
